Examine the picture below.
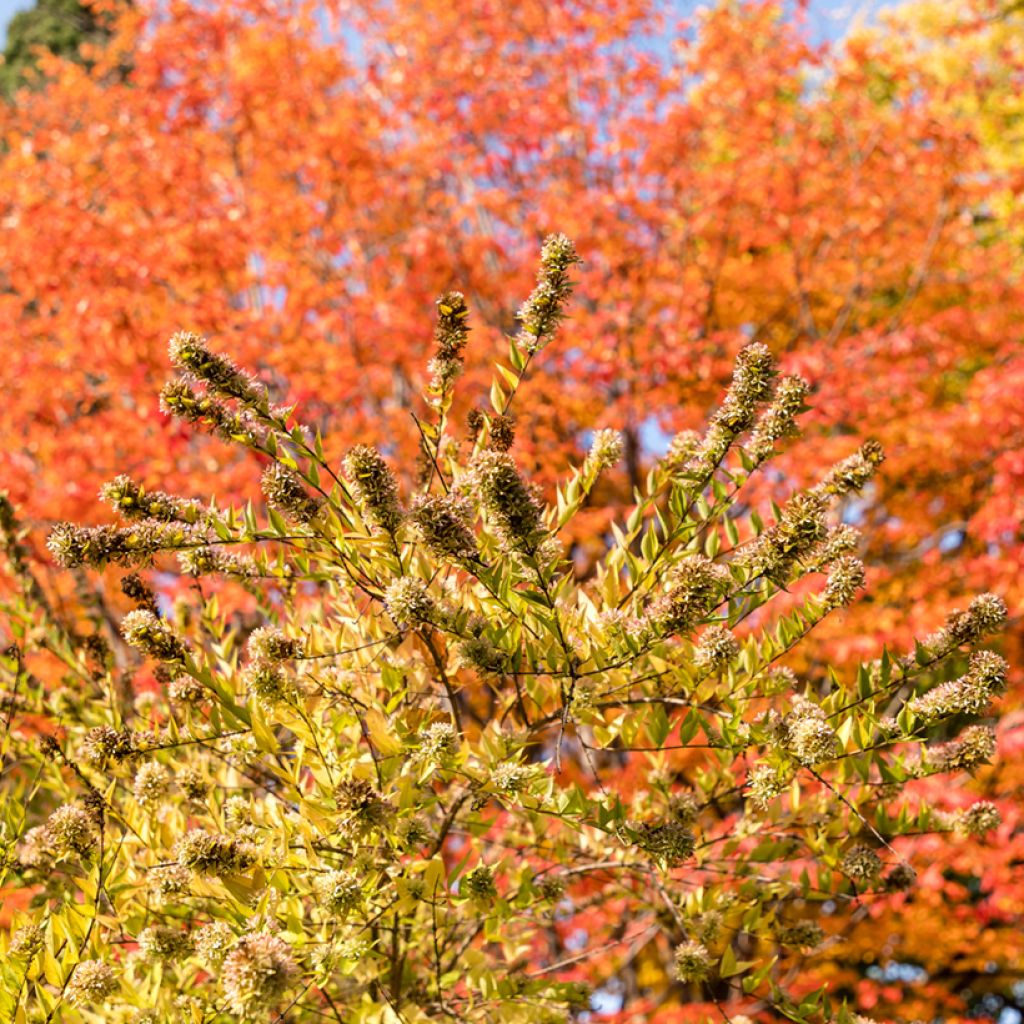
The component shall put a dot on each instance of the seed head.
(408, 601)
(145, 632)
(257, 973)
(692, 962)
(374, 487)
(152, 781)
(285, 493)
(716, 648)
(209, 853)
(268, 643)
(92, 983)
(443, 521)
(861, 864)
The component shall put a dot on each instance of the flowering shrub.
(392, 763)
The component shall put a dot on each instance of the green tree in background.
(60, 26)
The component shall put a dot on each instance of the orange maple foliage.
(300, 180)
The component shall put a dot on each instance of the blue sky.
(829, 18)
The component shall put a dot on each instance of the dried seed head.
(268, 643)
(209, 853)
(443, 521)
(285, 493)
(71, 829)
(861, 864)
(374, 487)
(716, 649)
(92, 983)
(145, 632)
(257, 973)
(692, 962)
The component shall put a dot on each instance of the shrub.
(406, 765)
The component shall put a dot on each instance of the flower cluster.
(97, 546)
(213, 942)
(975, 746)
(968, 695)
(846, 577)
(180, 399)
(92, 983)
(694, 587)
(513, 512)
(440, 742)
(985, 615)
(71, 829)
(861, 864)
(670, 842)
(778, 420)
(450, 335)
(151, 783)
(443, 522)
(268, 643)
(752, 383)
(542, 312)
(340, 891)
(104, 745)
(145, 632)
(133, 501)
(365, 809)
(692, 962)
(286, 494)
(135, 588)
(408, 601)
(374, 487)
(162, 943)
(479, 883)
(208, 853)
(800, 527)
(808, 735)
(765, 783)
(606, 449)
(257, 973)
(978, 819)
(268, 683)
(801, 935)
(853, 472)
(715, 649)
(191, 354)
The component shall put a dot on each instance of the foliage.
(59, 27)
(299, 177)
(425, 772)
